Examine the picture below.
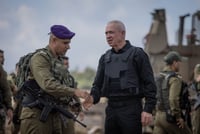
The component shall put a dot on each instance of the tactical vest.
(73, 83)
(58, 70)
(162, 83)
(121, 77)
(57, 67)
(194, 92)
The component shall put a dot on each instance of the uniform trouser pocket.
(30, 123)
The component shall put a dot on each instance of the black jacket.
(144, 73)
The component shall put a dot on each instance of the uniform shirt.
(4, 87)
(175, 84)
(41, 70)
(145, 73)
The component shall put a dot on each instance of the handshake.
(88, 99)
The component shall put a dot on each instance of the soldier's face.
(62, 46)
(1, 58)
(197, 79)
(177, 65)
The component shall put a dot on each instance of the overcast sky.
(25, 24)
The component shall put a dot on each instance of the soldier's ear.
(124, 33)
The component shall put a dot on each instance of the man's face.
(114, 36)
(197, 79)
(1, 58)
(61, 46)
(176, 66)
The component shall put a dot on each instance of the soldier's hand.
(180, 123)
(81, 93)
(10, 115)
(81, 116)
(88, 102)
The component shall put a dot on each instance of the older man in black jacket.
(124, 76)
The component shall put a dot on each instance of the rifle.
(44, 101)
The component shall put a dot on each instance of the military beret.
(172, 56)
(61, 32)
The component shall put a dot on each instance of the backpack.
(23, 71)
(162, 82)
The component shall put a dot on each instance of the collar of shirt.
(126, 47)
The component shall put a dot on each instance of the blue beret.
(61, 32)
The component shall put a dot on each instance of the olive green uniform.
(194, 91)
(161, 125)
(5, 97)
(49, 73)
(195, 113)
(16, 104)
(196, 121)
(69, 127)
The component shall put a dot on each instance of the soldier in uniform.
(168, 100)
(5, 97)
(48, 71)
(194, 96)
(124, 76)
(75, 107)
(12, 80)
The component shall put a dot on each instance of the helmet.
(172, 56)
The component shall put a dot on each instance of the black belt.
(122, 103)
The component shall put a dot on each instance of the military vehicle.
(157, 45)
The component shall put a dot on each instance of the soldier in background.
(12, 78)
(6, 112)
(194, 96)
(71, 78)
(168, 99)
(75, 107)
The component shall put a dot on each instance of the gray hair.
(120, 25)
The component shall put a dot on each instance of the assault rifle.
(44, 101)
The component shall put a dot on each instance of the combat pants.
(30, 123)
(16, 116)
(68, 127)
(124, 117)
(161, 126)
(196, 121)
(2, 121)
